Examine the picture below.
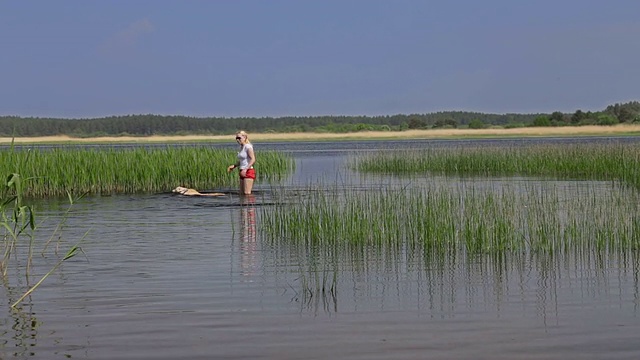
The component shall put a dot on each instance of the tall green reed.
(59, 171)
(572, 161)
(441, 232)
(18, 223)
(466, 220)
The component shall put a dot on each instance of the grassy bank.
(618, 130)
(59, 171)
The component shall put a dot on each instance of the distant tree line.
(146, 125)
(613, 114)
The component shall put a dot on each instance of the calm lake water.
(170, 277)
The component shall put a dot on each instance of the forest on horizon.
(148, 125)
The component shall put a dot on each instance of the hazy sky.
(345, 57)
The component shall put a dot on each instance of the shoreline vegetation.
(590, 130)
(87, 171)
(153, 124)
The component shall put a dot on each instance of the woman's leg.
(242, 186)
(247, 186)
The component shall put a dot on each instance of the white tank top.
(243, 156)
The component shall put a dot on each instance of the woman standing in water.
(246, 159)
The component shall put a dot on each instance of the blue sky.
(79, 59)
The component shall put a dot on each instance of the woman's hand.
(243, 173)
(230, 168)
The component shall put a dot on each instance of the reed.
(466, 236)
(59, 171)
(18, 224)
(440, 220)
(572, 161)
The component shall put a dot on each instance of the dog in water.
(193, 192)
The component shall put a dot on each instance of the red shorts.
(251, 174)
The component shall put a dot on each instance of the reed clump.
(58, 171)
(465, 220)
(569, 161)
(448, 235)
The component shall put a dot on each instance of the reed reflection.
(446, 284)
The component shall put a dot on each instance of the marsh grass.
(567, 161)
(465, 220)
(334, 237)
(581, 211)
(59, 171)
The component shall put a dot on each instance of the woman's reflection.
(248, 244)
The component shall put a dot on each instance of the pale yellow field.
(409, 134)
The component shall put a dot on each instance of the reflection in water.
(248, 243)
(446, 285)
(19, 332)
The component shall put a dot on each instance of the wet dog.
(193, 192)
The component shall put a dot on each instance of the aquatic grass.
(464, 220)
(18, 223)
(569, 161)
(542, 221)
(59, 171)
(438, 232)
